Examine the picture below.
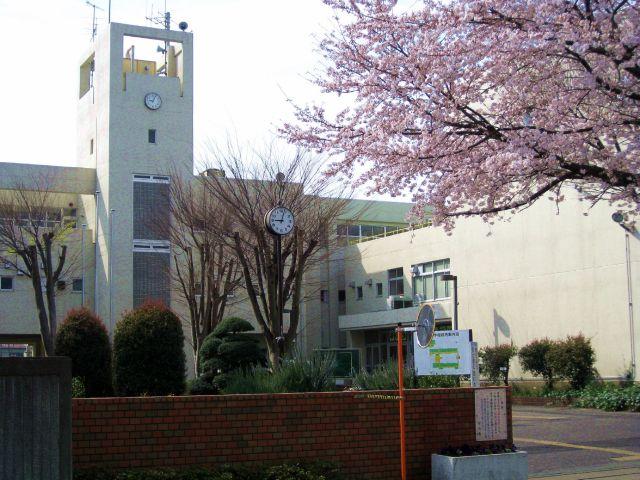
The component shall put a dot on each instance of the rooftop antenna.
(163, 19)
(94, 25)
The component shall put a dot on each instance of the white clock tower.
(135, 127)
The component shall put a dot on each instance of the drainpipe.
(630, 298)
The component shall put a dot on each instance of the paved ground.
(575, 444)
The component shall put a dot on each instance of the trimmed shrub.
(83, 337)
(148, 354)
(572, 359)
(227, 349)
(495, 362)
(533, 359)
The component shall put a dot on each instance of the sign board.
(475, 366)
(448, 353)
(491, 414)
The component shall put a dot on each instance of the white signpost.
(449, 353)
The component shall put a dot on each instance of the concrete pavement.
(577, 444)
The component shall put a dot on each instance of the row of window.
(7, 284)
(428, 283)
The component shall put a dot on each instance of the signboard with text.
(491, 414)
(449, 353)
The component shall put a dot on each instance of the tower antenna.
(94, 25)
(163, 19)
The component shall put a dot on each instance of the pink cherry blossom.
(482, 106)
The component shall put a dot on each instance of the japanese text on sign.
(491, 414)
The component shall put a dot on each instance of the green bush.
(572, 359)
(148, 355)
(77, 388)
(296, 374)
(384, 377)
(609, 397)
(533, 358)
(83, 337)
(439, 381)
(227, 349)
(495, 362)
(294, 471)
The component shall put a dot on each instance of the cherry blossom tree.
(482, 106)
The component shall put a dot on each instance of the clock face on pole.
(279, 221)
(152, 101)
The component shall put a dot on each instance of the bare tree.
(248, 190)
(205, 272)
(33, 240)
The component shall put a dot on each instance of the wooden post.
(403, 459)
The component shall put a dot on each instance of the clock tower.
(135, 127)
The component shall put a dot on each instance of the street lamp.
(448, 277)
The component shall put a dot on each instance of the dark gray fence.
(35, 418)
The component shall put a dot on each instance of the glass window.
(359, 294)
(354, 230)
(379, 289)
(378, 230)
(324, 296)
(430, 283)
(341, 230)
(152, 135)
(342, 296)
(6, 283)
(396, 281)
(366, 230)
(77, 285)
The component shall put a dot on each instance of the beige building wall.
(18, 314)
(539, 274)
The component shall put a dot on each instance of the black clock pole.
(279, 290)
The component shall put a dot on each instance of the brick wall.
(357, 432)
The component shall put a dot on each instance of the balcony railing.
(354, 241)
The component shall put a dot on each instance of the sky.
(249, 56)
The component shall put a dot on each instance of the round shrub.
(573, 359)
(148, 354)
(533, 358)
(495, 362)
(83, 337)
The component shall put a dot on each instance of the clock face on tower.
(152, 101)
(279, 221)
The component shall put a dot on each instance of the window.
(77, 285)
(324, 296)
(6, 283)
(379, 289)
(396, 281)
(91, 147)
(152, 135)
(428, 284)
(342, 296)
(359, 293)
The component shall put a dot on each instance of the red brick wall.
(359, 433)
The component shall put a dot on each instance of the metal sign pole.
(403, 455)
